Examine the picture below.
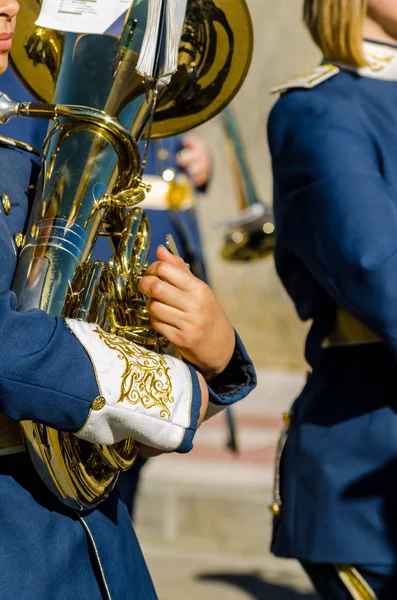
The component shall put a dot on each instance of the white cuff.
(144, 395)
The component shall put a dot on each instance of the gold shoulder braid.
(308, 80)
(146, 377)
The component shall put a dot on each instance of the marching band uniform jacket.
(334, 148)
(46, 550)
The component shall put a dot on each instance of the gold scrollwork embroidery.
(146, 378)
(377, 63)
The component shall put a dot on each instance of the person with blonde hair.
(333, 141)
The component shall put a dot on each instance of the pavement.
(203, 519)
(197, 575)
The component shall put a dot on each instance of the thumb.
(189, 141)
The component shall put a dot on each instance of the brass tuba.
(91, 182)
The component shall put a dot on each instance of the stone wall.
(251, 293)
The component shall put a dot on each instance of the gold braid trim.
(146, 378)
(355, 583)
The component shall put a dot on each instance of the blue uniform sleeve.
(334, 209)
(52, 370)
(45, 373)
(236, 381)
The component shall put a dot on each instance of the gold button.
(287, 419)
(19, 239)
(98, 403)
(6, 202)
(275, 509)
(163, 154)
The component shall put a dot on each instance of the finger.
(172, 270)
(163, 254)
(185, 158)
(167, 314)
(152, 268)
(198, 172)
(180, 278)
(191, 141)
(171, 333)
(197, 167)
(199, 179)
(161, 290)
(178, 261)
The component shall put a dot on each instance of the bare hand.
(195, 159)
(186, 312)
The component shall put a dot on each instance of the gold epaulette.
(308, 80)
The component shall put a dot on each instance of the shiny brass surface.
(275, 509)
(6, 203)
(91, 182)
(244, 245)
(11, 143)
(214, 58)
(250, 235)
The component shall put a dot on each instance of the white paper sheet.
(81, 16)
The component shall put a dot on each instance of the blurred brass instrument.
(91, 180)
(250, 235)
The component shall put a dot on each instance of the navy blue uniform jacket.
(334, 154)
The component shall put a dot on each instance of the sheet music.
(81, 16)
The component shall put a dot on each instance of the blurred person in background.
(333, 142)
(177, 168)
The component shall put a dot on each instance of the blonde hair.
(336, 27)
